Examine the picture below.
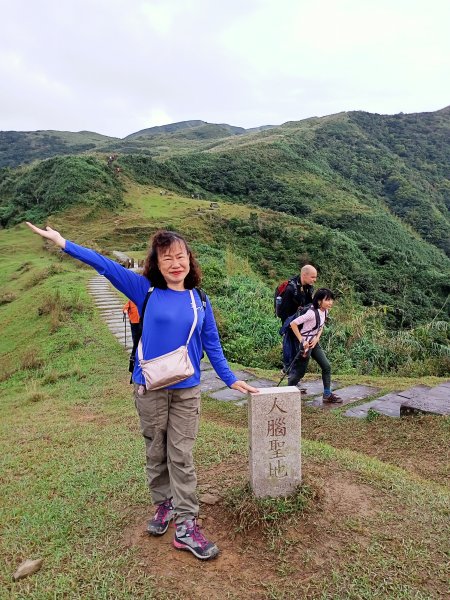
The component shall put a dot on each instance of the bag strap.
(194, 324)
(317, 325)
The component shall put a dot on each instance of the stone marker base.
(274, 440)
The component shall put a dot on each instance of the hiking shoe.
(160, 522)
(332, 398)
(189, 537)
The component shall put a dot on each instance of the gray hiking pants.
(169, 424)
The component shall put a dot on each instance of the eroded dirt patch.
(252, 564)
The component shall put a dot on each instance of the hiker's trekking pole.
(125, 323)
(301, 350)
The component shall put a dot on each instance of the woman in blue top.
(170, 416)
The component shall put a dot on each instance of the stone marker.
(274, 441)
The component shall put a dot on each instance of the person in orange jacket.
(130, 309)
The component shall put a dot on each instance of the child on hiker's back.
(309, 336)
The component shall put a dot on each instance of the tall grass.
(356, 338)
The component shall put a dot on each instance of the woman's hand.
(313, 343)
(49, 233)
(242, 386)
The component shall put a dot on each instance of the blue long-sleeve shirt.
(168, 318)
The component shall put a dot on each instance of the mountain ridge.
(22, 147)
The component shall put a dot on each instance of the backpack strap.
(316, 313)
(144, 306)
(202, 295)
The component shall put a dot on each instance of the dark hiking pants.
(298, 369)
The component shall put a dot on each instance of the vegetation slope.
(370, 521)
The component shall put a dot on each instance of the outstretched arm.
(49, 234)
(131, 284)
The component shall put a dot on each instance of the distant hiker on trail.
(130, 309)
(177, 324)
(312, 323)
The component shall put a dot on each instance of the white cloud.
(119, 66)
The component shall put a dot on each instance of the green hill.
(18, 147)
(364, 197)
(189, 129)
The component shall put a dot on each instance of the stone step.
(433, 401)
(349, 394)
(210, 382)
(388, 405)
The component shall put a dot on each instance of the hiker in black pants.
(298, 294)
(311, 323)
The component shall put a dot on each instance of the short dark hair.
(165, 239)
(322, 294)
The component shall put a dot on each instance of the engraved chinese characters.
(275, 443)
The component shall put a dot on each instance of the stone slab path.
(420, 398)
(110, 306)
(352, 393)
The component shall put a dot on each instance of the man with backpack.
(297, 293)
(291, 298)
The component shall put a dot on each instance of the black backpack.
(279, 293)
(291, 347)
(287, 324)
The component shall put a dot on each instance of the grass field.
(370, 522)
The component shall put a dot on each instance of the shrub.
(7, 297)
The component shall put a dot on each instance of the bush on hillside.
(32, 193)
(356, 339)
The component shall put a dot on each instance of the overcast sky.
(119, 66)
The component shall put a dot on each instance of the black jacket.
(295, 296)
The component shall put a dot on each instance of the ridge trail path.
(110, 306)
(438, 398)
